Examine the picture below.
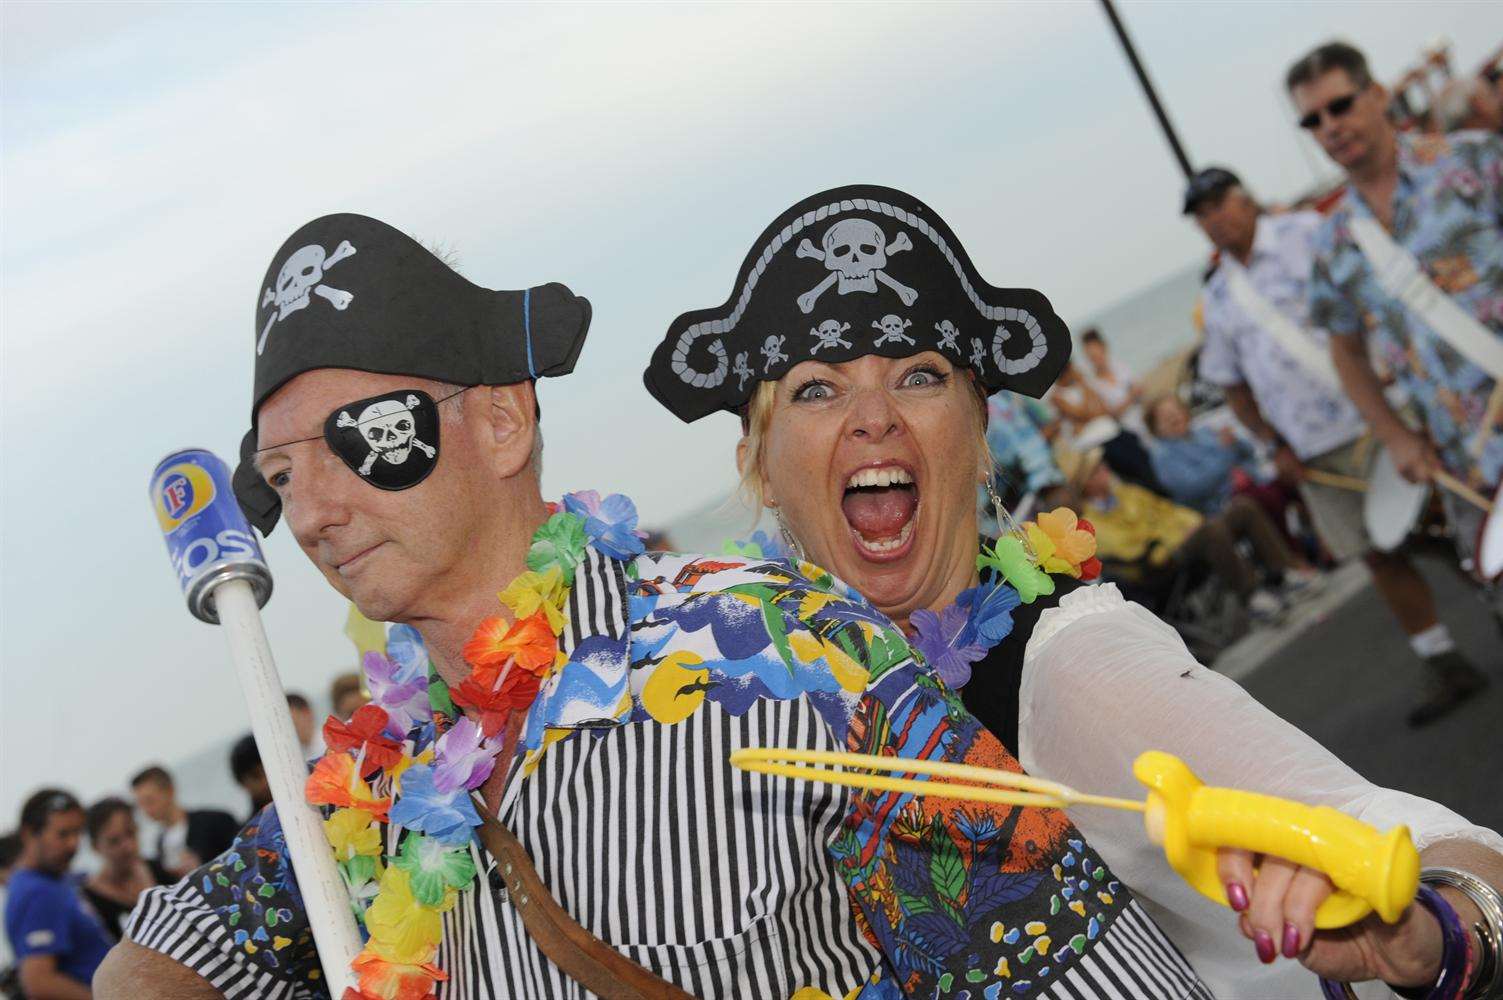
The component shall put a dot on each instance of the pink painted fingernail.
(1264, 945)
(1236, 895)
(1291, 940)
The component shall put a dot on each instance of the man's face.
(1352, 138)
(302, 723)
(55, 844)
(1095, 352)
(1098, 485)
(154, 799)
(386, 550)
(257, 787)
(1171, 419)
(1229, 219)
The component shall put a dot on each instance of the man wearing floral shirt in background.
(602, 708)
(1440, 199)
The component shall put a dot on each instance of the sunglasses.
(1335, 109)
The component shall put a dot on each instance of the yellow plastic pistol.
(1190, 820)
(1371, 870)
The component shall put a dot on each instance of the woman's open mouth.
(881, 506)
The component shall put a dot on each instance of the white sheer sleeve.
(1103, 681)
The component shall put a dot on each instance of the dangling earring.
(789, 541)
(1005, 524)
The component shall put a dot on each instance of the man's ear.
(510, 422)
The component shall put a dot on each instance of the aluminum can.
(208, 539)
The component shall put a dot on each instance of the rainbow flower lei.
(435, 764)
(1015, 570)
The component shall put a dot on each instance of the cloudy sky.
(154, 156)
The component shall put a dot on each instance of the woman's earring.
(1005, 524)
(789, 541)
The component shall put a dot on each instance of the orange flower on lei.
(382, 980)
(335, 783)
(530, 642)
(1064, 543)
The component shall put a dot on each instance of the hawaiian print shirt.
(728, 883)
(1014, 433)
(1448, 213)
(1313, 417)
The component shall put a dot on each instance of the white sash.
(1402, 277)
(1298, 344)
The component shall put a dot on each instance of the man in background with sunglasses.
(1261, 347)
(1409, 265)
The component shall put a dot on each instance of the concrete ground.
(1340, 668)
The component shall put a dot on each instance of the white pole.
(318, 878)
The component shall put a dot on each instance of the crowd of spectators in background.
(60, 918)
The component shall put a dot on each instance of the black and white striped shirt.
(725, 882)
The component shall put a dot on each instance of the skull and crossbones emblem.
(978, 353)
(828, 334)
(388, 428)
(772, 350)
(892, 328)
(947, 334)
(302, 275)
(855, 252)
(742, 369)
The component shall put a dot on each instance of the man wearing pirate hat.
(539, 802)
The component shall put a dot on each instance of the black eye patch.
(390, 441)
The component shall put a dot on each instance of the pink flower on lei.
(465, 757)
(402, 693)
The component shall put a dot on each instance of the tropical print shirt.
(1015, 435)
(1315, 418)
(1448, 213)
(728, 883)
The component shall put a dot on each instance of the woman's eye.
(811, 392)
(921, 377)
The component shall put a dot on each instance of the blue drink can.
(208, 538)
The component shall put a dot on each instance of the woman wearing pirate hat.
(858, 346)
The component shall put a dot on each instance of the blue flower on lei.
(610, 524)
(938, 638)
(445, 816)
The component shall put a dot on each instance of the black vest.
(991, 695)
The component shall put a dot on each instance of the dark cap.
(1211, 182)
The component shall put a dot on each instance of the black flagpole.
(1148, 91)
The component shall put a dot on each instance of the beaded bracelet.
(1455, 954)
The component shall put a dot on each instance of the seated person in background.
(1087, 418)
(1134, 525)
(1018, 432)
(346, 695)
(309, 737)
(185, 838)
(1195, 465)
(1112, 381)
(245, 765)
(58, 940)
(1207, 469)
(123, 874)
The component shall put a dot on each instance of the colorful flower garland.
(434, 766)
(1016, 571)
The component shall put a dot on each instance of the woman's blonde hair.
(757, 417)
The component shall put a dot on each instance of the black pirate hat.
(349, 291)
(853, 271)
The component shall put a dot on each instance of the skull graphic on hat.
(855, 252)
(300, 276)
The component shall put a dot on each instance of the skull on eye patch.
(390, 441)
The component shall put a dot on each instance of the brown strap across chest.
(581, 956)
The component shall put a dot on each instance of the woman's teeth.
(887, 544)
(887, 476)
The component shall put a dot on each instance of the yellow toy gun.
(1190, 820)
